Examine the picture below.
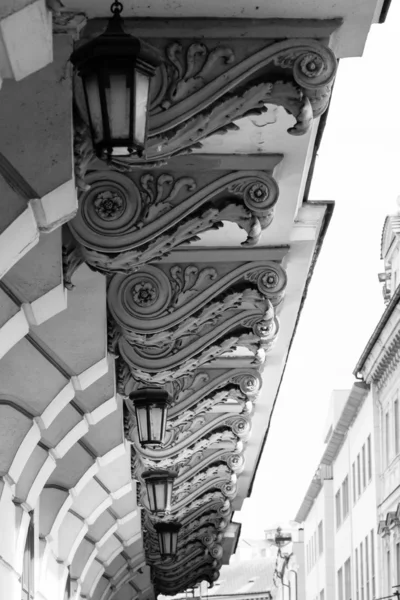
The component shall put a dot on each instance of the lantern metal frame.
(165, 480)
(163, 529)
(116, 52)
(148, 399)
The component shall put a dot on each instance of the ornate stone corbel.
(124, 223)
(203, 88)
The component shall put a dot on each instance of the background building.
(379, 367)
(339, 509)
(114, 279)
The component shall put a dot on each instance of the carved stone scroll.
(124, 223)
(204, 89)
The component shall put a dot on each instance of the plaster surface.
(357, 14)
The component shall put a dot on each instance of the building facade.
(339, 509)
(289, 569)
(183, 270)
(379, 367)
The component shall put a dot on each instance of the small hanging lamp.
(159, 484)
(116, 70)
(151, 408)
(167, 537)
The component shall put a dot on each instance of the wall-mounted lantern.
(168, 537)
(151, 408)
(116, 69)
(159, 484)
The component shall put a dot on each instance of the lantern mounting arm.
(116, 7)
(114, 26)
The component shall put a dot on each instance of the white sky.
(359, 167)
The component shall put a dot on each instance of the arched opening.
(67, 593)
(28, 571)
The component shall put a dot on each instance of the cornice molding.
(384, 356)
(200, 28)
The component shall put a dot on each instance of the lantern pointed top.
(116, 7)
(116, 69)
(115, 24)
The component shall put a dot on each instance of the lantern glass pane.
(141, 418)
(91, 87)
(141, 99)
(160, 488)
(152, 496)
(156, 418)
(118, 106)
(166, 542)
(174, 542)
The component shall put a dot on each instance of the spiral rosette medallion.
(241, 427)
(108, 210)
(261, 195)
(143, 294)
(249, 383)
(271, 281)
(235, 462)
(216, 551)
(315, 68)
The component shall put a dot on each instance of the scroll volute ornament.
(205, 88)
(126, 222)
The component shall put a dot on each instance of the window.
(367, 596)
(338, 509)
(28, 564)
(362, 571)
(315, 547)
(68, 591)
(387, 438)
(372, 562)
(347, 580)
(388, 573)
(345, 498)
(353, 476)
(396, 426)
(398, 562)
(312, 551)
(340, 584)
(364, 477)
(358, 477)
(369, 458)
(320, 538)
(357, 579)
